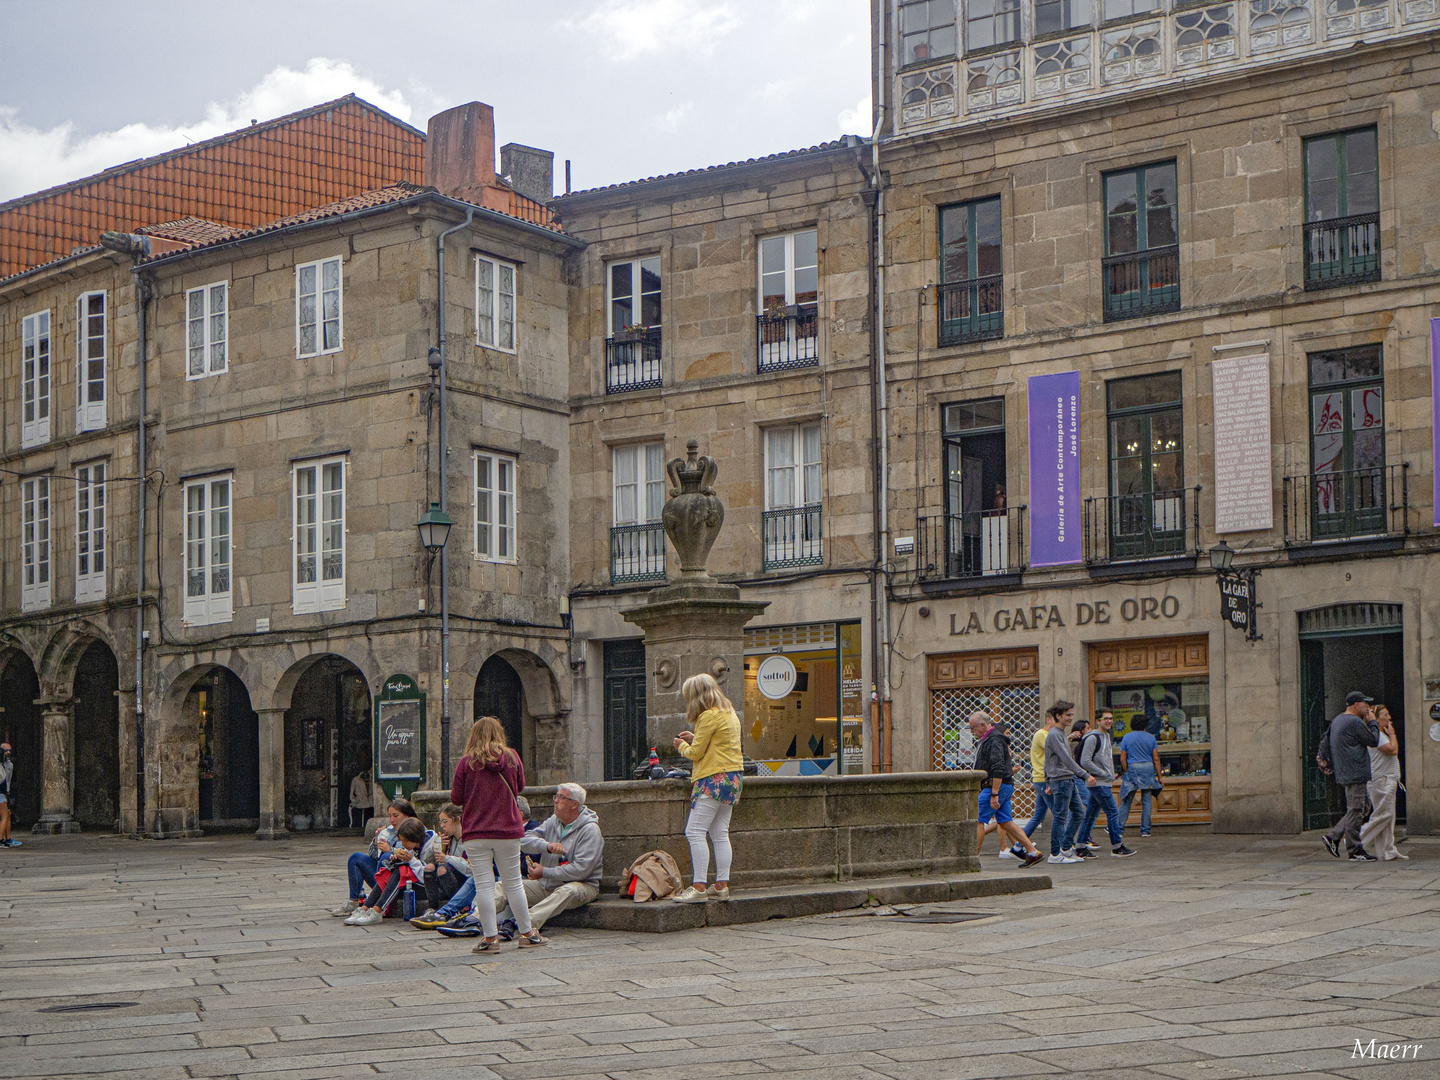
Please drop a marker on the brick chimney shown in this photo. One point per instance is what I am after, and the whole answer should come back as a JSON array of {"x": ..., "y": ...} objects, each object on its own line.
[
  {"x": 460, "y": 155},
  {"x": 529, "y": 170}
]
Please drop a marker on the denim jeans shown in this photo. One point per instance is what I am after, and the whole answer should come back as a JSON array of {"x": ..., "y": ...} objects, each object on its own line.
[
  {"x": 362, "y": 874},
  {"x": 1139, "y": 779},
  {"x": 1062, "y": 792},
  {"x": 1042, "y": 807},
  {"x": 463, "y": 898},
  {"x": 1100, "y": 797},
  {"x": 1077, "y": 813}
]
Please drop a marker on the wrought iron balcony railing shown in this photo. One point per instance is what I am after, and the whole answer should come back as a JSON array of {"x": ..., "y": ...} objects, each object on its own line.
[
  {"x": 1148, "y": 525},
  {"x": 632, "y": 361},
  {"x": 637, "y": 553},
  {"x": 970, "y": 310},
  {"x": 989, "y": 543},
  {"x": 791, "y": 340},
  {"x": 1346, "y": 505},
  {"x": 1142, "y": 283},
  {"x": 792, "y": 537},
  {"x": 1342, "y": 251}
]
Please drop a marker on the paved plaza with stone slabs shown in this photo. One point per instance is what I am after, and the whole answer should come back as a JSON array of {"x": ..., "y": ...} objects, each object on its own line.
[{"x": 1205, "y": 957}]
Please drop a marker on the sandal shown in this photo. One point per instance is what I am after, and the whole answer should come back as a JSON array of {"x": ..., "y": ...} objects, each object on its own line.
[
  {"x": 487, "y": 945},
  {"x": 534, "y": 937}
]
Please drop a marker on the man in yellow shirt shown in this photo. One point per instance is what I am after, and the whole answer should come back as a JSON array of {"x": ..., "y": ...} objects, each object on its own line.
[{"x": 1037, "y": 777}]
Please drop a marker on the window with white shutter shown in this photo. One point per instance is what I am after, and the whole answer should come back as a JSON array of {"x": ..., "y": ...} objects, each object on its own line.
[
  {"x": 319, "y": 306},
  {"x": 494, "y": 304},
  {"x": 208, "y": 587},
  {"x": 90, "y": 533},
  {"x": 35, "y": 379},
  {"x": 35, "y": 543},
  {"x": 319, "y": 539},
  {"x": 91, "y": 333},
  {"x": 494, "y": 507},
  {"x": 207, "y": 330}
]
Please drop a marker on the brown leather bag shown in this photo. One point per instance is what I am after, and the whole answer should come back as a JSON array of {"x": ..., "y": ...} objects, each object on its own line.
[{"x": 653, "y": 876}]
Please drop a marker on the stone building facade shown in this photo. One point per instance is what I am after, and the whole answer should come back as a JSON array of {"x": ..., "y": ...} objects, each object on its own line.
[
  {"x": 1244, "y": 356},
  {"x": 293, "y": 445},
  {"x": 729, "y": 305}
]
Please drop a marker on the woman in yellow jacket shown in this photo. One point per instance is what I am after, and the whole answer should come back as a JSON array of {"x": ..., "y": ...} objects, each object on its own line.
[{"x": 714, "y": 747}]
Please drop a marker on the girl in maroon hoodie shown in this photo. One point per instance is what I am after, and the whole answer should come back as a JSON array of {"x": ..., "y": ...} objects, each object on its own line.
[{"x": 488, "y": 781}]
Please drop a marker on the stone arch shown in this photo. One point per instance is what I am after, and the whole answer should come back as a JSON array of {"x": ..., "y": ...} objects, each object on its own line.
[
  {"x": 543, "y": 712},
  {"x": 213, "y": 767},
  {"x": 326, "y": 738},
  {"x": 284, "y": 687},
  {"x": 61, "y": 655},
  {"x": 22, "y": 725}
]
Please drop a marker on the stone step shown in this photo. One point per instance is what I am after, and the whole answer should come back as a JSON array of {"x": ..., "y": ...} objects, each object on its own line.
[{"x": 791, "y": 902}]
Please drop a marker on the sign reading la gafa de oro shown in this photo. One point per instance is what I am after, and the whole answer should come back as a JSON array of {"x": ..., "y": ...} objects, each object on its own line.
[{"x": 1054, "y": 616}]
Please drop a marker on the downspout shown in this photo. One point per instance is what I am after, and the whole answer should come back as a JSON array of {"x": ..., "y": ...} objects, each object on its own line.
[
  {"x": 882, "y": 450},
  {"x": 444, "y": 489}
]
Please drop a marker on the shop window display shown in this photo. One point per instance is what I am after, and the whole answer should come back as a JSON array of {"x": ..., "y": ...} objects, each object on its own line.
[
  {"x": 1178, "y": 715},
  {"x": 804, "y": 699}
]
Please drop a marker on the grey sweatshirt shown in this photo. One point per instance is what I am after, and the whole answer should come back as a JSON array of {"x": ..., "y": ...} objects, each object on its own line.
[
  {"x": 1059, "y": 764},
  {"x": 1350, "y": 738},
  {"x": 584, "y": 848},
  {"x": 1097, "y": 755}
]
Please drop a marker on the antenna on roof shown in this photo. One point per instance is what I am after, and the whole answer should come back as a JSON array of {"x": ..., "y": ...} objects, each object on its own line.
[
  {"x": 253, "y": 122},
  {"x": 567, "y": 176}
]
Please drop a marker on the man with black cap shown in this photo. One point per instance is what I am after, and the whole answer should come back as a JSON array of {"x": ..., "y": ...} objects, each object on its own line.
[{"x": 1345, "y": 752}]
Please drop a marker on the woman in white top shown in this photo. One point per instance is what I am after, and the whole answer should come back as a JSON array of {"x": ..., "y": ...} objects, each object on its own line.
[
  {"x": 1378, "y": 834},
  {"x": 362, "y": 801}
]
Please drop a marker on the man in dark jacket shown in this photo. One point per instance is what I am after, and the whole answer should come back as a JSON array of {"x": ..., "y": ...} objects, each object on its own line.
[
  {"x": 992, "y": 757},
  {"x": 1345, "y": 752}
]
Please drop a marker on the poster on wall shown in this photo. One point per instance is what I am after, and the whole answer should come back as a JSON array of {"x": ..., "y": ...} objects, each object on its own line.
[
  {"x": 1243, "y": 481},
  {"x": 1435, "y": 411},
  {"x": 400, "y": 730},
  {"x": 1055, "y": 469}
]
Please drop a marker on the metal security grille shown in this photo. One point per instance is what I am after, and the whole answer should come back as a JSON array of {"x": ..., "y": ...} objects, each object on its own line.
[
  {"x": 779, "y": 637},
  {"x": 1351, "y": 619},
  {"x": 952, "y": 746}
]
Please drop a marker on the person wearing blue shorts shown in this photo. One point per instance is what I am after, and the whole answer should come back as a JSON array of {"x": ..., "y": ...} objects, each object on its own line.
[{"x": 992, "y": 756}]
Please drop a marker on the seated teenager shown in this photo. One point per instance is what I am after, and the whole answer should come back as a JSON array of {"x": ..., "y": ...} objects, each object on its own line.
[
  {"x": 363, "y": 864},
  {"x": 414, "y": 846},
  {"x": 567, "y": 873},
  {"x": 447, "y": 873}
]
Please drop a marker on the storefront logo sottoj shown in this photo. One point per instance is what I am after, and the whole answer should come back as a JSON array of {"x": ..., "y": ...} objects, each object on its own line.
[
  {"x": 1049, "y": 616},
  {"x": 776, "y": 677}
]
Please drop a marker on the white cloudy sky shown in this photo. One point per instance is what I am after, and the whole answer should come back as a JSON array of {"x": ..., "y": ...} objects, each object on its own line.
[{"x": 625, "y": 88}]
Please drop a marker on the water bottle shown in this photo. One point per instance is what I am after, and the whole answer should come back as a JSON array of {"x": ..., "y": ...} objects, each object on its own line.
[
  {"x": 656, "y": 772},
  {"x": 408, "y": 905}
]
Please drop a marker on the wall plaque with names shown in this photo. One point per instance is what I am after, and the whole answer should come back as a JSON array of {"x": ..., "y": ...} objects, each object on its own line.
[{"x": 1244, "y": 500}]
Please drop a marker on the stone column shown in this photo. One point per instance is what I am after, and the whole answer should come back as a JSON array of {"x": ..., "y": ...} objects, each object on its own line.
[
  {"x": 272, "y": 775},
  {"x": 58, "y": 777},
  {"x": 126, "y": 700}
]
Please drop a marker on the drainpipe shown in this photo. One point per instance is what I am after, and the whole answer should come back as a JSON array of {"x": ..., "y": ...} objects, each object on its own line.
[
  {"x": 882, "y": 450},
  {"x": 138, "y": 247},
  {"x": 444, "y": 488}
]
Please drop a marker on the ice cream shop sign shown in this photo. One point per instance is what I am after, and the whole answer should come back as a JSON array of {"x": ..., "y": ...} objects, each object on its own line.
[{"x": 1132, "y": 609}]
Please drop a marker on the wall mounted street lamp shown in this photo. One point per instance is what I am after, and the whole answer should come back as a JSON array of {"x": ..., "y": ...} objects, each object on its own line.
[
  {"x": 1237, "y": 590},
  {"x": 434, "y": 527}
]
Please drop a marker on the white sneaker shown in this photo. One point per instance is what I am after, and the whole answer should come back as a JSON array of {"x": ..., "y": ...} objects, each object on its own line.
[
  {"x": 1069, "y": 853},
  {"x": 346, "y": 909},
  {"x": 1006, "y": 853},
  {"x": 1062, "y": 858},
  {"x": 366, "y": 917}
]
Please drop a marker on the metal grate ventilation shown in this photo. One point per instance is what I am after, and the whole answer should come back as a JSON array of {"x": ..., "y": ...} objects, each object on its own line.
[{"x": 1350, "y": 619}]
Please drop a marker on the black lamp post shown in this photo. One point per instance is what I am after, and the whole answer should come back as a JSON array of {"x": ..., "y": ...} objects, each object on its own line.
[
  {"x": 1237, "y": 590},
  {"x": 434, "y": 527}
]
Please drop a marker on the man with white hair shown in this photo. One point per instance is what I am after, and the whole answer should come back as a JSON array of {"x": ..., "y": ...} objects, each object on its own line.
[{"x": 567, "y": 875}]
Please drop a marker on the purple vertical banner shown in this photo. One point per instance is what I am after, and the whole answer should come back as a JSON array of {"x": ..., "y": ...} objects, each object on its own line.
[
  {"x": 1435, "y": 417},
  {"x": 1055, "y": 469}
]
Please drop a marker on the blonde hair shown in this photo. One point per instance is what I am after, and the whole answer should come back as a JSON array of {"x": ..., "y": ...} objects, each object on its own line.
[
  {"x": 702, "y": 693},
  {"x": 486, "y": 742}
]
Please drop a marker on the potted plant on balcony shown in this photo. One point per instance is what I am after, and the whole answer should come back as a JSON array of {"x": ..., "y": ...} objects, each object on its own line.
[
  {"x": 632, "y": 334},
  {"x": 775, "y": 310}
]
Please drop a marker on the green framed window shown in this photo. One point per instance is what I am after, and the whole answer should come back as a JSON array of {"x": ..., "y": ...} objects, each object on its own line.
[
  {"x": 1347, "y": 443},
  {"x": 971, "y": 297},
  {"x": 1342, "y": 209},
  {"x": 1142, "y": 242},
  {"x": 1147, "y": 466}
]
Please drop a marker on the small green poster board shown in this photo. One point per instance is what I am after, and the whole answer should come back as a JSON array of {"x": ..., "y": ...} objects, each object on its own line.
[{"x": 400, "y": 731}]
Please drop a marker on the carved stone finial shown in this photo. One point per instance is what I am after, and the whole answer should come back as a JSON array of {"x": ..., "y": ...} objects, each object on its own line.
[{"x": 693, "y": 514}]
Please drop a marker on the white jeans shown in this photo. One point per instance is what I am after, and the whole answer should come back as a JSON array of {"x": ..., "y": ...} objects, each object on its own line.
[
  {"x": 1378, "y": 834},
  {"x": 506, "y": 855},
  {"x": 709, "y": 817},
  {"x": 545, "y": 903}
]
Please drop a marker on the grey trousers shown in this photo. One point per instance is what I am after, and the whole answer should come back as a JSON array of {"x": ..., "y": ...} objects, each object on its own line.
[{"x": 1357, "y": 807}]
